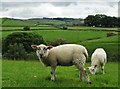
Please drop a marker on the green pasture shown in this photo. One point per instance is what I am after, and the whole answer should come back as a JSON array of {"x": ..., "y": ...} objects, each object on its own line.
[
  {"x": 69, "y": 35},
  {"x": 14, "y": 23},
  {"x": 42, "y": 27},
  {"x": 91, "y": 28},
  {"x": 34, "y": 74},
  {"x": 110, "y": 44},
  {"x": 90, "y": 39},
  {"x": 45, "y": 22},
  {"x": 9, "y": 22},
  {"x": 50, "y": 27},
  {"x": 112, "y": 39}
]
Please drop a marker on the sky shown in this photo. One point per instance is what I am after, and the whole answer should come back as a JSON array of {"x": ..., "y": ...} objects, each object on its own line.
[{"x": 24, "y": 9}]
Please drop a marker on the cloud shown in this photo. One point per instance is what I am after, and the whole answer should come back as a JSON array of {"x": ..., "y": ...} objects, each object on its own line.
[
  {"x": 58, "y": 9},
  {"x": 59, "y": 0}
]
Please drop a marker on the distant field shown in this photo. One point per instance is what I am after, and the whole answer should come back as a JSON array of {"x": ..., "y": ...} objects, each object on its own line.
[
  {"x": 91, "y": 28},
  {"x": 112, "y": 39},
  {"x": 42, "y": 27},
  {"x": 70, "y": 36},
  {"x": 9, "y": 22},
  {"x": 50, "y": 27},
  {"x": 34, "y": 74},
  {"x": 14, "y": 23}
]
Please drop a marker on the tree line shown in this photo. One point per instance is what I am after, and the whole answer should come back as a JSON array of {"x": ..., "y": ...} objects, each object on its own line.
[{"x": 100, "y": 20}]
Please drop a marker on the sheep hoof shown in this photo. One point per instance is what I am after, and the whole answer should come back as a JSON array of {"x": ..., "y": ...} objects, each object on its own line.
[
  {"x": 52, "y": 79},
  {"x": 90, "y": 82}
]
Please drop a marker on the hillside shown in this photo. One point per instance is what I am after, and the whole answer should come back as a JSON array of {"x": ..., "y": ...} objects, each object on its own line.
[{"x": 11, "y": 22}]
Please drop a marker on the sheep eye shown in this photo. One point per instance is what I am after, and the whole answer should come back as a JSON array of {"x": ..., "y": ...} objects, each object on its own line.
[{"x": 44, "y": 48}]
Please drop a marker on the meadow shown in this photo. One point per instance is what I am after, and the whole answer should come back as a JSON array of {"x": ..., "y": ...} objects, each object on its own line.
[
  {"x": 69, "y": 35},
  {"x": 34, "y": 74},
  {"x": 90, "y": 39}
]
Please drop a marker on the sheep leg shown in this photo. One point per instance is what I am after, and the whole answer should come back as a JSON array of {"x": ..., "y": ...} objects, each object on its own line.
[
  {"x": 83, "y": 73},
  {"x": 103, "y": 69},
  {"x": 86, "y": 76},
  {"x": 53, "y": 76}
]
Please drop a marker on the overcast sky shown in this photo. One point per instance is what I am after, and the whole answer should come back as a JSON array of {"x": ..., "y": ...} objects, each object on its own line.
[{"x": 57, "y": 8}]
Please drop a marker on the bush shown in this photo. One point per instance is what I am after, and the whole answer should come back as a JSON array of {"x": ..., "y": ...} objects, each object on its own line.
[
  {"x": 26, "y": 28},
  {"x": 32, "y": 56},
  {"x": 58, "y": 41},
  {"x": 110, "y": 34},
  {"x": 24, "y": 38},
  {"x": 15, "y": 51},
  {"x": 65, "y": 28}
]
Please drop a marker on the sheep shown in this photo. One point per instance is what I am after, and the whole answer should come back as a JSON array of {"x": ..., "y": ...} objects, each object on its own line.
[
  {"x": 98, "y": 58},
  {"x": 63, "y": 55}
]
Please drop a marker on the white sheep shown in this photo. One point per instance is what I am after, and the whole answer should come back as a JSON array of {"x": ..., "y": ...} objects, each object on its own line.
[
  {"x": 99, "y": 58},
  {"x": 63, "y": 55}
]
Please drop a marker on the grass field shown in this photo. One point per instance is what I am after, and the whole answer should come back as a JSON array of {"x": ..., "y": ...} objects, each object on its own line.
[
  {"x": 91, "y": 28},
  {"x": 34, "y": 74},
  {"x": 42, "y": 27},
  {"x": 90, "y": 39},
  {"x": 10, "y": 22},
  {"x": 70, "y": 36}
]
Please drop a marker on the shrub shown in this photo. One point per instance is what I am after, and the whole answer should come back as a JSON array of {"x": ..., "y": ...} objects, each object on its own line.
[
  {"x": 26, "y": 28},
  {"x": 32, "y": 56},
  {"x": 65, "y": 28},
  {"x": 15, "y": 51},
  {"x": 24, "y": 38},
  {"x": 58, "y": 41},
  {"x": 110, "y": 34}
]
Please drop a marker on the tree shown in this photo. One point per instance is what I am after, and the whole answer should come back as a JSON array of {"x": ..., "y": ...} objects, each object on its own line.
[
  {"x": 118, "y": 24},
  {"x": 100, "y": 20},
  {"x": 107, "y": 22},
  {"x": 65, "y": 28},
  {"x": 89, "y": 21},
  {"x": 26, "y": 28},
  {"x": 24, "y": 38},
  {"x": 16, "y": 51},
  {"x": 97, "y": 19}
]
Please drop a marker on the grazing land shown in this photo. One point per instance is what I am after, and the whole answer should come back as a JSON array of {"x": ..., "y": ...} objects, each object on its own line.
[
  {"x": 70, "y": 36},
  {"x": 34, "y": 74}
]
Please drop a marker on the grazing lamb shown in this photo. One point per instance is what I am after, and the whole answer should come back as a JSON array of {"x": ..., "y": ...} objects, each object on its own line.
[
  {"x": 99, "y": 58},
  {"x": 63, "y": 55}
]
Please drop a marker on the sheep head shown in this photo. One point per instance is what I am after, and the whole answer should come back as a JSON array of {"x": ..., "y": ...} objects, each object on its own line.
[
  {"x": 93, "y": 69},
  {"x": 41, "y": 50}
]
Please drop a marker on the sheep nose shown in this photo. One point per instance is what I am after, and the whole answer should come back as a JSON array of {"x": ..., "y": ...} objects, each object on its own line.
[{"x": 41, "y": 55}]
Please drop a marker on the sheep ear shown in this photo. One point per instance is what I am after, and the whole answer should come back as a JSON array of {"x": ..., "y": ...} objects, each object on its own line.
[
  {"x": 34, "y": 46},
  {"x": 49, "y": 47}
]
